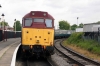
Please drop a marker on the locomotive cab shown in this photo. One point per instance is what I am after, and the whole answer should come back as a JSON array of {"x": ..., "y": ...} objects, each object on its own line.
[{"x": 38, "y": 33}]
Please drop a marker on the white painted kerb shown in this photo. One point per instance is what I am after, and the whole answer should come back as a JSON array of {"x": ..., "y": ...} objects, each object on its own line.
[{"x": 14, "y": 56}]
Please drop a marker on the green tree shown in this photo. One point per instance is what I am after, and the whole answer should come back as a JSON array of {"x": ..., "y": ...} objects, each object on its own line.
[
  {"x": 80, "y": 25},
  {"x": 73, "y": 27},
  {"x": 98, "y": 22},
  {"x": 64, "y": 25},
  {"x": 5, "y": 23},
  {"x": 18, "y": 25}
]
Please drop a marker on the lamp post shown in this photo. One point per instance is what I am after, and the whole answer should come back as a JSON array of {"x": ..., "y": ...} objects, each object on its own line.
[
  {"x": 15, "y": 27},
  {"x": 0, "y": 23},
  {"x": 77, "y": 21},
  {"x": 5, "y": 30},
  {"x": 0, "y": 18},
  {"x": 0, "y": 6},
  {"x": 3, "y": 26}
]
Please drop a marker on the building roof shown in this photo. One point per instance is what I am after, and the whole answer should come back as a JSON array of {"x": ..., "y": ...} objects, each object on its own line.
[{"x": 91, "y": 23}]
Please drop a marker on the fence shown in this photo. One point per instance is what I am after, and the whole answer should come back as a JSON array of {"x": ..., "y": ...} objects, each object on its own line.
[
  {"x": 9, "y": 34},
  {"x": 0, "y": 35},
  {"x": 92, "y": 35}
]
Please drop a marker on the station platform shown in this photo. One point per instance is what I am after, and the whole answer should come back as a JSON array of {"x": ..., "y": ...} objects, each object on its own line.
[{"x": 7, "y": 49}]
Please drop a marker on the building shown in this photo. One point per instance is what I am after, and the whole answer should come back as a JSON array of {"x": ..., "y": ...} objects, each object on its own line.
[
  {"x": 79, "y": 30},
  {"x": 91, "y": 31},
  {"x": 7, "y": 28},
  {"x": 91, "y": 27}
]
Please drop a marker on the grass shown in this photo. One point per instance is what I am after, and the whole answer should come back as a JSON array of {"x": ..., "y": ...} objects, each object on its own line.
[{"x": 89, "y": 48}]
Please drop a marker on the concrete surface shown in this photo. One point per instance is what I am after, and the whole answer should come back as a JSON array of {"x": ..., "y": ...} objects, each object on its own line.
[{"x": 7, "y": 50}]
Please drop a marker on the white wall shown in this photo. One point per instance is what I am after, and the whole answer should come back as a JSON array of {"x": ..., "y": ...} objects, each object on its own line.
[
  {"x": 79, "y": 29},
  {"x": 90, "y": 27},
  {"x": 87, "y": 28}
]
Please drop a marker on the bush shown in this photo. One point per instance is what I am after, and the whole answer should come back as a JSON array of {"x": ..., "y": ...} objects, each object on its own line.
[
  {"x": 75, "y": 38},
  {"x": 89, "y": 45}
]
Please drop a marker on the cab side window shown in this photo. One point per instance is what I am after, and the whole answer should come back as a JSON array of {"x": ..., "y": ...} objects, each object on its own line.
[
  {"x": 48, "y": 22},
  {"x": 28, "y": 21}
]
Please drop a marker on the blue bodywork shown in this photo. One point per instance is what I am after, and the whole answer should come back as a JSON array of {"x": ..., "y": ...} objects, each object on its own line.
[{"x": 58, "y": 36}]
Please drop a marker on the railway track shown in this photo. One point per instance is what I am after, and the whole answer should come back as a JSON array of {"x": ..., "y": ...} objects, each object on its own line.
[
  {"x": 38, "y": 62},
  {"x": 34, "y": 62},
  {"x": 77, "y": 58}
]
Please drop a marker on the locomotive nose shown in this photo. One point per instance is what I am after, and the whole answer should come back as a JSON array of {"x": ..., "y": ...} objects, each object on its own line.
[{"x": 37, "y": 41}]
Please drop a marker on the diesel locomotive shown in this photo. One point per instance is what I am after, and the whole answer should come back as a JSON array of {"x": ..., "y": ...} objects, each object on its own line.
[{"x": 37, "y": 33}]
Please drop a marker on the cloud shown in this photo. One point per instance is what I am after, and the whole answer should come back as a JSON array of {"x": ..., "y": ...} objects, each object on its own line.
[{"x": 87, "y": 10}]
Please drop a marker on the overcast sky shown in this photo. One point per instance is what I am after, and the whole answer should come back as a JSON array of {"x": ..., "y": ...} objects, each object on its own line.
[{"x": 88, "y": 11}]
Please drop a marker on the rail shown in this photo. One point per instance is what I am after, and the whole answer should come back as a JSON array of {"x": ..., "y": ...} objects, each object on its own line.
[{"x": 74, "y": 56}]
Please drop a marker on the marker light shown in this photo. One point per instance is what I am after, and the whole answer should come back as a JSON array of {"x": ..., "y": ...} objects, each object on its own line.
[
  {"x": 37, "y": 41},
  {"x": 44, "y": 14},
  {"x": 33, "y": 13}
]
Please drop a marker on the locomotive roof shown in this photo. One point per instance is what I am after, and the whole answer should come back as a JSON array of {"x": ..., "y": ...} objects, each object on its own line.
[{"x": 38, "y": 14}]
